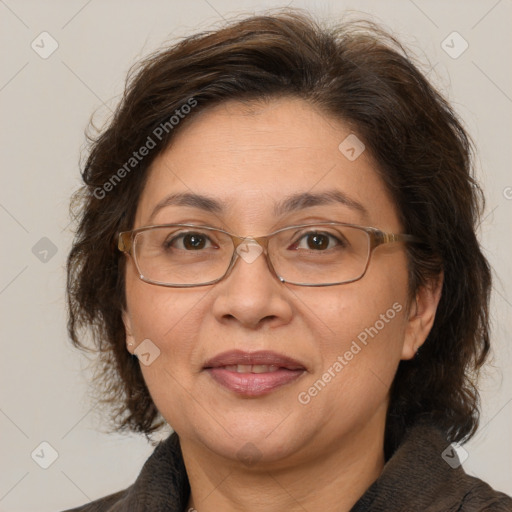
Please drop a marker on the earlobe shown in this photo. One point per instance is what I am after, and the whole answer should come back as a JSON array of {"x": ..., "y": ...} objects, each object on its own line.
[
  {"x": 421, "y": 316},
  {"x": 130, "y": 340}
]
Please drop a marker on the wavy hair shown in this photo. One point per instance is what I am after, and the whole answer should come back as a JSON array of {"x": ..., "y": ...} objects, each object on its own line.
[{"x": 359, "y": 74}]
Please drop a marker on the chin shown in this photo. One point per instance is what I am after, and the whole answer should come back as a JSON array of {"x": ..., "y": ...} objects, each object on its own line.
[{"x": 253, "y": 439}]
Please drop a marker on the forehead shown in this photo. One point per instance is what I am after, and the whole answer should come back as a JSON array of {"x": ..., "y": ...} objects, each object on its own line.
[{"x": 250, "y": 157}]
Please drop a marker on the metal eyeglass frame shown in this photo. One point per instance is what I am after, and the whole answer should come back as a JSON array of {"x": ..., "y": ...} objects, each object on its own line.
[{"x": 376, "y": 238}]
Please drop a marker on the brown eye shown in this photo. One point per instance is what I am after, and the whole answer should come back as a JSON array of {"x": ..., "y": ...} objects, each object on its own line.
[
  {"x": 188, "y": 242},
  {"x": 317, "y": 241},
  {"x": 194, "y": 242}
]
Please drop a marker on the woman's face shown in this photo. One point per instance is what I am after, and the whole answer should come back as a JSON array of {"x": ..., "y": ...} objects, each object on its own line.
[{"x": 347, "y": 340}]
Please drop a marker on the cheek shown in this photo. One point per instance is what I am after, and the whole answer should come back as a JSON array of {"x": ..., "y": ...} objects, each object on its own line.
[
  {"x": 171, "y": 319},
  {"x": 157, "y": 311},
  {"x": 358, "y": 364},
  {"x": 364, "y": 327},
  {"x": 360, "y": 328},
  {"x": 372, "y": 307}
]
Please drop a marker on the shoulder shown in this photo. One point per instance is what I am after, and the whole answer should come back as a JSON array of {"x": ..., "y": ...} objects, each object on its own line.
[
  {"x": 425, "y": 473},
  {"x": 481, "y": 497},
  {"x": 451, "y": 487}
]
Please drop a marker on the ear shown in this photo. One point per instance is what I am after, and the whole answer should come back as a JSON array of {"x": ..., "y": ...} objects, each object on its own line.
[
  {"x": 130, "y": 340},
  {"x": 422, "y": 313}
]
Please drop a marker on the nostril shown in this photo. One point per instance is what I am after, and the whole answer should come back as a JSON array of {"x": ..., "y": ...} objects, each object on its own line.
[{"x": 250, "y": 323}]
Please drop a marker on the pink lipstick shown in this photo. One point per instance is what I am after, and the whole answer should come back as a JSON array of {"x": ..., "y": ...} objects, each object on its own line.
[{"x": 253, "y": 374}]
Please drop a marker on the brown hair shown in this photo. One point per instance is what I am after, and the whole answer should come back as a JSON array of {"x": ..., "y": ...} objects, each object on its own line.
[{"x": 362, "y": 76}]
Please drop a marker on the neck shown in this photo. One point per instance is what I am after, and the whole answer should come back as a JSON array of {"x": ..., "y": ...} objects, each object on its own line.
[{"x": 333, "y": 479}]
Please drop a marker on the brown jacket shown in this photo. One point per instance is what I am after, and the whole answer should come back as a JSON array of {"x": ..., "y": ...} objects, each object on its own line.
[{"x": 416, "y": 478}]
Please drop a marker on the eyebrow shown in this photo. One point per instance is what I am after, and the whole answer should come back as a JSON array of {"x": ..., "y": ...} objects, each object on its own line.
[
  {"x": 308, "y": 199},
  {"x": 188, "y": 199},
  {"x": 290, "y": 204}
]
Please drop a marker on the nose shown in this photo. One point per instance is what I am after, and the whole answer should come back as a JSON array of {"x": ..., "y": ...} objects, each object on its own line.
[{"x": 251, "y": 294}]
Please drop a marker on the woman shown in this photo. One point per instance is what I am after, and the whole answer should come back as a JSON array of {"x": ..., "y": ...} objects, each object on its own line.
[{"x": 277, "y": 257}]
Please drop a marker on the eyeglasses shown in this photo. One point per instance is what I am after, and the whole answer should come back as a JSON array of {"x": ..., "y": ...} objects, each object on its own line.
[{"x": 187, "y": 255}]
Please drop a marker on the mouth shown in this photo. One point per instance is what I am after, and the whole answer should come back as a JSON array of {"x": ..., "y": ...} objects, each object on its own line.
[
  {"x": 253, "y": 374},
  {"x": 252, "y": 368}
]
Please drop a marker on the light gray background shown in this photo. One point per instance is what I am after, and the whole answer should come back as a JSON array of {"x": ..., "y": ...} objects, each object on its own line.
[{"x": 45, "y": 106}]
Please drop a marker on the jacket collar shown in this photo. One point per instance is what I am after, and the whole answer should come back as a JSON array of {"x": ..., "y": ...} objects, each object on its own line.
[
  {"x": 424, "y": 473},
  {"x": 418, "y": 476},
  {"x": 162, "y": 485}
]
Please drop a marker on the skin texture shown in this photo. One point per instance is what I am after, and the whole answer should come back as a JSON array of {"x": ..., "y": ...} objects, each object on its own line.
[{"x": 321, "y": 455}]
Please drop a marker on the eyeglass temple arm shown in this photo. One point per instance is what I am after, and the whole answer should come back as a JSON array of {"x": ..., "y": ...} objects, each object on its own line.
[
  {"x": 124, "y": 242},
  {"x": 385, "y": 238}
]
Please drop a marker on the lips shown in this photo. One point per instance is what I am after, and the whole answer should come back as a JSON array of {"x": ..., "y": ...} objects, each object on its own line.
[
  {"x": 253, "y": 374},
  {"x": 252, "y": 368},
  {"x": 262, "y": 357}
]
